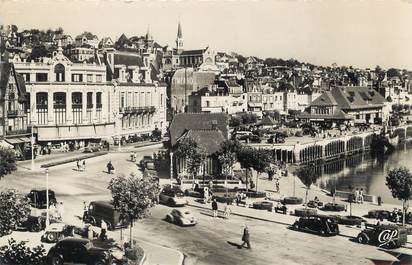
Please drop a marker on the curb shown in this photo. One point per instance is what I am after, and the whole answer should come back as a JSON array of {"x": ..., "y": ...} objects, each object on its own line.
[
  {"x": 73, "y": 159},
  {"x": 181, "y": 255}
]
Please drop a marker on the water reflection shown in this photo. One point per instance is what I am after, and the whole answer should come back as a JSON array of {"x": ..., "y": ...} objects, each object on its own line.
[{"x": 364, "y": 171}]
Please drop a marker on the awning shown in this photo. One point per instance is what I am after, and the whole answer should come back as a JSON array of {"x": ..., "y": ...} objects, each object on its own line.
[
  {"x": 4, "y": 144},
  {"x": 18, "y": 140}
]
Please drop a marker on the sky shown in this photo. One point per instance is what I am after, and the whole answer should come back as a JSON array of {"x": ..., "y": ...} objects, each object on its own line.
[{"x": 361, "y": 33}]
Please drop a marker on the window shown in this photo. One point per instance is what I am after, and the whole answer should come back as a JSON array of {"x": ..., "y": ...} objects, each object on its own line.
[
  {"x": 89, "y": 100},
  {"x": 41, "y": 77},
  {"x": 26, "y": 77},
  {"x": 161, "y": 100},
  {"x": 122, "y": 100},
  {"x": 207, "y": 103},
  {"x": 89, "y": 78},
  {"x": 77, "y": 78},
  {"x": 98, "y": 100},
  {"x": 99, "y": 78},
  {"x": 59, "y": 72}
]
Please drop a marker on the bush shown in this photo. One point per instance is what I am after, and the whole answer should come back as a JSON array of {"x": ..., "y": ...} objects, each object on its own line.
[
  {"x": 256, "y": 194},
  {"x": 334, "y": 207},
  {"x": 16, "y": 253},
  {"x": 14, "y": 209},
  {"x": 135, "y": 255},
  {"x": 224, "y": 199},
  {"x": 292, "y": 200},
  {"x": 7, "y": 161}
]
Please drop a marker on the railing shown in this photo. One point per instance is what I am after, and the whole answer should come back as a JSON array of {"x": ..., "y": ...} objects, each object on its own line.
[
  {"x": 59, "y": 106},
  {"x": 99, "y": 105},
  {"x": 77, "y": 105},
  {"x": 12, "y": 113},
  {"x": 137, "y": 110},
  {"x": 89, "y": 106},
  {"x": 17, "y": 132},
  {"x": 41, "y": 106}
]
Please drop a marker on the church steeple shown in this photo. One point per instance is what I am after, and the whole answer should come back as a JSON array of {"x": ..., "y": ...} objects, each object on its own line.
[{"x": 179, "y": 39}]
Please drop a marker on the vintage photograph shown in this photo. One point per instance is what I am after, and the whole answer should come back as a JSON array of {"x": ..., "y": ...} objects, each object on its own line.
[{"x": 192, "y": 132}]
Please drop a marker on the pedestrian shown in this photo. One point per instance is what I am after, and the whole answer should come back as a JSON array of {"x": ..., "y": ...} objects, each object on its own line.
[
  {"x": 84, "y": 165},
  {"x": 277, "y": 186},
  {"x": 237, "y": 198},
  {"x": 246, "y": 238},
  {"x": 103, "y": 230},
  {"x": 214, "y": 208},
  {"x": 126, "y": 243},
  {"x": 53, "y": 211},
  {"x": 361, "y": 196},
  {"x": 85, "y": 212},
  {"x": 356, "y": 195},
  {"x": 60, "y": 210},
  {"x": 78, "y": 165},
  {"x": 228, "y": 210},
  {"x": 109, "y": 167},
  {"x": 90, "y": 234}
]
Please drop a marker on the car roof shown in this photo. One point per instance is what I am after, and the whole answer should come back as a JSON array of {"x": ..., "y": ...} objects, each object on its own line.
[
  {"x": 75, "y": 239},
  {"x": 103, "y": 203}
]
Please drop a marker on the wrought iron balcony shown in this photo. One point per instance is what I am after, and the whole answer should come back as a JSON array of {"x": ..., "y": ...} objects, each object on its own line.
[{"x": 12, "y": 113}]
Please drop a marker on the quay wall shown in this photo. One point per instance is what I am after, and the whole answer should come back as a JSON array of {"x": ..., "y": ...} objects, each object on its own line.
[{"x": 330, "y": 148}]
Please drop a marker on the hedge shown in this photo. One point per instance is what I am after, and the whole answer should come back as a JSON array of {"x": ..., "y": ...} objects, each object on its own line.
[
  {"x": 334, "y": 207},
  {"x": 135, "y": 255},
  {"x": 305, "y": 212}
]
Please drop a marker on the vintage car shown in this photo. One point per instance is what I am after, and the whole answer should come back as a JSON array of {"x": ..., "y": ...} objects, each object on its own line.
[
  {"x": 72, "y": 250},
  {"x": 319, "y": 224},
  {"x": 56, "y": 231},
  {"x": 387, "y": 236},
  {"x": 172, "y": 196},
  {"x": 182, "y": 217},
  {"x": 104, "y": 210},
  {"x": 33, "y": 224},
  {"x": 37, "y": 198}
]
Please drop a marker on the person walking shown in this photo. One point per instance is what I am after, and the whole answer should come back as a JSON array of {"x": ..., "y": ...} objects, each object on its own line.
[
  {"x": 277, "y": 186},
  {"x": 361, "y": 196},
  {"x": 214, "y": 208},
  {"x": 109, "y": 167},
  {"x": 103, "y": 230},
  {"x": 246, "y": 238},
  {"x": 60, "y": 210},
  {"x": 84, "y": 165},
  {"x": 78, "y": 165}
]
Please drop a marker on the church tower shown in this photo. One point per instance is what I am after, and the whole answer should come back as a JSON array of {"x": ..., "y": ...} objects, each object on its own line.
[{"x": 179, "y": 39}]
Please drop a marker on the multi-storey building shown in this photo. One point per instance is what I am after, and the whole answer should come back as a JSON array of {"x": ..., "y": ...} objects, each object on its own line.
[
  {"x": 80, "y": 102},
  {"x": 13, "y": 107}
]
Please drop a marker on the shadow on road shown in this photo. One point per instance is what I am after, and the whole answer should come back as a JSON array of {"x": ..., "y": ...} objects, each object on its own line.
[{"x": 239, "y": 246}]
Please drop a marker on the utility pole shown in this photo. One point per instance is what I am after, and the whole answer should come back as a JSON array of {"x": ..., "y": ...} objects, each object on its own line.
[{"x": 47, "y": 198}]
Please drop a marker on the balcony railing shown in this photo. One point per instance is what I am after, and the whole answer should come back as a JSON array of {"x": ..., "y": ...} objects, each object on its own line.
[
  {"x": 137, "y": 110},
  {"x": 99, "y": 105},
  {"x": 41, "y": 106},
  {"x": 89, "y": 106},
  {"x": 77, "y": 105},
  {"x": 59, "y": 106},
  {"x": 17, "y": 132},
  {"x": 12, "y": 113}
]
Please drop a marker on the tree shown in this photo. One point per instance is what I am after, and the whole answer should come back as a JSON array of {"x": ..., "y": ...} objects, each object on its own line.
[
  {"x": 258, "y": 159},
  {"x": 392, "y": 72},
  {"x": 38, "y": 51},
  {"x": 7, "y": 161},
  {"x": 399, "y": 181},
  {"x": 227, "y": 156},
  {"x": 192, "y": 153},
  {"x": 133, "y": 197},
  {"x": 14, "y": 208},
  {"x": 243, "y": 157},
  {"x": 307, "y": 175}
]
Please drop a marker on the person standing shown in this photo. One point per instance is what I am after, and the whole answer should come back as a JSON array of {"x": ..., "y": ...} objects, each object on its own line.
[
  {"x": 214, "y": 208},
  {"x": 60, "y": 210},
  {"x": 361, "y": 196},
  {"x": 85, "y": 212},
  {"x": 84, "y": 165},
  {"x": 109, "y": 167},
  {"x": 90, "y": 234},
  {"x": 356, "y": 195},
  {"x": 103, "y": 230},
  {"x": 78, "y": 165},
  {"x": 277, "y": 186},
  {"x": 228, "y": 210},
  {"x": 246, "y": 238}
]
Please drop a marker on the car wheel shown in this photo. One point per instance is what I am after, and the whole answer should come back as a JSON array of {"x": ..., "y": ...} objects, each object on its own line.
[
  {"x": 100, "y": 262},
  {"x": 171, "y": 203},
  {"x": 92, "y": 221},
  {"x": 109, "y": 226},
  {"x": 56, "y": 260},
  {"x": 295, "y": 226},
  {"x": 51, "y": 237},
  {"x": 169, "y": 218},
  {"x": 34, "y": 228},
  {"x": 362, "y": 239}
]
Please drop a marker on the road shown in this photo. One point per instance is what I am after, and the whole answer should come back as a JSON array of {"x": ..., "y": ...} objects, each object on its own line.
[{"x": 212, "y": 241}]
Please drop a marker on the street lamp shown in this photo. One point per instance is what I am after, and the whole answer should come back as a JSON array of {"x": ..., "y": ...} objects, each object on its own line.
[
  {"x": 32, "y": 147},
  {"x": 47, "y": 198}
]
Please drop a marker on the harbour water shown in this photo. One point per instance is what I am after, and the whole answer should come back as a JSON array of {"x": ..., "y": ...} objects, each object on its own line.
[{"x": 364, "y": 171}]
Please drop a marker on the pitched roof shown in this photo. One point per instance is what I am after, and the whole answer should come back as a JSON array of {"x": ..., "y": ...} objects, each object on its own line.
[
  {"x": 128, "y": 59},
  {"x": 209, "y": 140},
  {"x": 357, "y": 97},
  {"x": 338, "y": 114},
  {"x": 326, "y": 99},
  {"x": 193, "y": 52},
  {"x": 184, "y": 122}
]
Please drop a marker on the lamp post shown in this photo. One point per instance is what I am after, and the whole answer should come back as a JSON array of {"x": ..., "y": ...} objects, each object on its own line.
[
  {"x": 47, "y": 198},
  {"x": 171, "y": 168},
  {"x": 32, "y": 147}
]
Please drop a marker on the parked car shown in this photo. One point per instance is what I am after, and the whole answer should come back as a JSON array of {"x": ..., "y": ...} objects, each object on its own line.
[
  {"x": 92, "y": 147},
  {"x": 379, "y": 214},
  {"x": 38, "y": 200},
  {"x": 388, "y": 236},
  {"x": 33, "y": 224},
  {"x": 320, "y": 224},
  {"x": 55, "y": 232},
  {"x": 182, "y": 217},
  {"x": 172, "y": 196},
  {"x": 263, "y": 205},
  {"x": 145, "y": 160},
  {"x": 82, "y": 251},
  {"x": 104, "y": 210}
]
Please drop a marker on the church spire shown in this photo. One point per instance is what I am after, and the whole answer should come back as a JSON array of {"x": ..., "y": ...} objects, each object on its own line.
[{"x": 179, "y": 39}]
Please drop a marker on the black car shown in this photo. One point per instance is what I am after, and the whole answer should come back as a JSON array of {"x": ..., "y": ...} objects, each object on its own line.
[
  {"x": 38, "y": 200},
  {"x": 104, "y": 210},
  {"x": 387, "y": 236},
  {"x": 81, "y": 251},
  {"x": 33, "y": 224},
  {"x": 319, "y": 224}
]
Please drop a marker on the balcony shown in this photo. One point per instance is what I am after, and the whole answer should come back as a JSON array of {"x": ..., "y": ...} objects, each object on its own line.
[
  {"x": 137, "y": 110},
  {"x": 99, "y": 105},
  {"x": 18, "y": 132},
  {"x": 77, "y": 106},
  {"x": 15, "y": 113},
  {"x": 59, "y": 106},
  {"x": 89, "y": 106}
]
